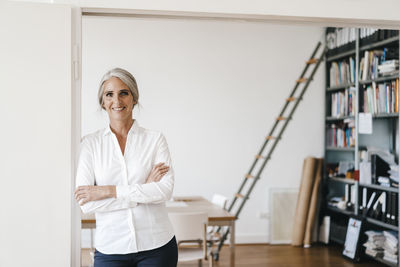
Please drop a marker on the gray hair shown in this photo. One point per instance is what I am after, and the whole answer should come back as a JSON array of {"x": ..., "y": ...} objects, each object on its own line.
[{"x": 125, "y": 77}]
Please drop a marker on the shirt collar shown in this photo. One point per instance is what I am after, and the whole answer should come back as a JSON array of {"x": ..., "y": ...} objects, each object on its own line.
[{"x": 132, "y": 130}]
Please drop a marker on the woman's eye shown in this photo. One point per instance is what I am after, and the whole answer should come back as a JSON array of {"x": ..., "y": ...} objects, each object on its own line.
[
  {"x": 124, "y": 93},
  {"x": 109, "y": 94}
]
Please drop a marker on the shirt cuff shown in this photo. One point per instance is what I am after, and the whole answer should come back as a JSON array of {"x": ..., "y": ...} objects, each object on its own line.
[{"x": 122, "y": 191}]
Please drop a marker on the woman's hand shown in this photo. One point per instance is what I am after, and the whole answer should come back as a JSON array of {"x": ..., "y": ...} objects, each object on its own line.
[
  {"x": 157, "y": 173},
  {"x": 87, "y": 193}
]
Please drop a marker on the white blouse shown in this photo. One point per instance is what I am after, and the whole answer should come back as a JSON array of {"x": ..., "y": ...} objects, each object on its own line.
[{"x": 136, "y": 220}]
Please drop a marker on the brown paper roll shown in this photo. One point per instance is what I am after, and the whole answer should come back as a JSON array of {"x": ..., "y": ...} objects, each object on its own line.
[
  {"x": 303, "y": 201},
  {"x": 313, "y": 204}
]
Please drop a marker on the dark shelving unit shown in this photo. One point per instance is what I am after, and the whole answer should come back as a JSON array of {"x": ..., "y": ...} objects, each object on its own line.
[
  {"x": 334, "y": 186},
  {"x": 381, "y": 79},
  {"x": 379, "y": 187},
  {"x": 339, "y": 87},
  {"x": 344, "y": 149},
  {"x": 342, "y": 180},
  {"x": 339, "y": 118},
  {"x": 341, "y": 55}
]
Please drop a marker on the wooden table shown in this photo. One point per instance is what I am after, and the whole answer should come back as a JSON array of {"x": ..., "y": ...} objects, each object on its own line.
[{"x": 217, "y": 216}]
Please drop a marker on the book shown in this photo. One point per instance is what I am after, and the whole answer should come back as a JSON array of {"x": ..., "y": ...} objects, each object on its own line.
[
  {"x": 374, "y": 102},
  {"x": 365, "y": 67}
]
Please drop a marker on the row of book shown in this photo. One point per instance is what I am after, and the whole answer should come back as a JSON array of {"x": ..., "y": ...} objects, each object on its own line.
[
  {"x": 374, "y": 64},
  {"x": 338, "y": 37},
  {"x": 381, "y": 97},
  {"x": 380, "y": 206},
  {"x": 369, "y": 64},
  {"x": 375, "y": 35},
  {"x": 340, "y": 135},
  {"x": 343, "y": 103},
  {"x": 378, "y": 63},
  {"x": 365, "y": 32},
  {"x": 342, "y": 72},
  {"x": 382, "y": 244}
]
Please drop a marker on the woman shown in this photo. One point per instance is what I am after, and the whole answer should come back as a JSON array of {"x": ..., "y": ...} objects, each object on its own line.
[{"x": 124, "y": 176}]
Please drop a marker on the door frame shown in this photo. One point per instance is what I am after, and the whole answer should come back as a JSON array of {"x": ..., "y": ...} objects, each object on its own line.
[
  {"x": 76, "y": 46},
  {"x": 76, "y": 83}
]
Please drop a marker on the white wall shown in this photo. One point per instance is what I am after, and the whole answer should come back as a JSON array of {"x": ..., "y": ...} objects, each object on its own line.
[
  {"x": 35, "y": 136},
  {"x": 213, "y": 88}
]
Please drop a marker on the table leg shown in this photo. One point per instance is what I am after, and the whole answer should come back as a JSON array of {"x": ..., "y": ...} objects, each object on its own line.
[{"x": 232, "y": 242}]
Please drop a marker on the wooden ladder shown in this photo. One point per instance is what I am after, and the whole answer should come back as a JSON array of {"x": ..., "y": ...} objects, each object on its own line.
[{"x": 280, "y": 124}]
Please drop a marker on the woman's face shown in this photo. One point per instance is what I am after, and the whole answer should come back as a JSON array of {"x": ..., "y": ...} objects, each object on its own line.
[{"x": 117, "y": 100}]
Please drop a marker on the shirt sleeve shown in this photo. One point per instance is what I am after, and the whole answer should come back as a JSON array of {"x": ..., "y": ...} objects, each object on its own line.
[
  {"x": 156, "y": 192},
  {"x": 85, "y": 176}
]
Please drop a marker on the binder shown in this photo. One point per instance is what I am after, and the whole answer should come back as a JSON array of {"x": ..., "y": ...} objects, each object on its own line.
[
  {"x": 378, "y": 207},
  {"x": 389, "y": 209},
  {"x": 374, "y": 211},
  {"x": 394, "y": 209},
  {"x": 379, "y": 167},
  {"x": 383, "y": 217},
  {"x": 370, "y": 202},
  {"x": 364, "y": 200}
]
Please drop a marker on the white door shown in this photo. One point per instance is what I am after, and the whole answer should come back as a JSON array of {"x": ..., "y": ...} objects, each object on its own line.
[{"x": 35, "y": 134}]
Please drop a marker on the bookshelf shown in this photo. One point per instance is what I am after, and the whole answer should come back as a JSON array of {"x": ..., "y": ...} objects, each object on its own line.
[{"x": 361, "y": 77}]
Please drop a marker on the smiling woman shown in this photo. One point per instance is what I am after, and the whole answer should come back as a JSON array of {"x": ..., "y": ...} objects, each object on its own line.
[
  {"x": 124, "y": 175},
  {"x": 118, "y": 79}
]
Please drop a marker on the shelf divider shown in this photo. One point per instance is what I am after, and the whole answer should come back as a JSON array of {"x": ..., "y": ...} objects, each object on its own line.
[
  {"x": 379, "y": 187},
  {"x": 382, "y": 224}
]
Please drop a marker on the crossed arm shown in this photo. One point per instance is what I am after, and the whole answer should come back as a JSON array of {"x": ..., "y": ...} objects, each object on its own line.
[{"x": 87, "y": 193}]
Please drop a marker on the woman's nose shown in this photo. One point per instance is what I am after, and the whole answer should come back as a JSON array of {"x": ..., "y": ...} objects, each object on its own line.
[{"x": 115, "y": 99}]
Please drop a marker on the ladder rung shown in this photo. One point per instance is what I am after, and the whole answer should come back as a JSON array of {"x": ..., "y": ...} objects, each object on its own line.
[
  {"x": 249, "y": 176},
  {"x": 260, "y": 157},
  {"x": 290, "y": 99},
  {"x": 301, "y": 80},
  {"x": 312, "y": 61},
  {"x": 281, "y": 118},
  {"x": 270, "y": 137},
  {"x": 217, "y": 235},
  {"x": 239, "y": 196}
]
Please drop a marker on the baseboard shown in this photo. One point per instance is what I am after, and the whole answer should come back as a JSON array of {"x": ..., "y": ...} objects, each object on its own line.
[{"x": 250, "y": 239}]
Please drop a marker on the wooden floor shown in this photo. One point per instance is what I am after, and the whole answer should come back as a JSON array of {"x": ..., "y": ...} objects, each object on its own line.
[{"x": 276, "y": 256}]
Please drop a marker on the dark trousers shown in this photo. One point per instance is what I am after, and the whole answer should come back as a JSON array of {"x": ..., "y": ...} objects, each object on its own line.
[{"x": 165, "y": 256}]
